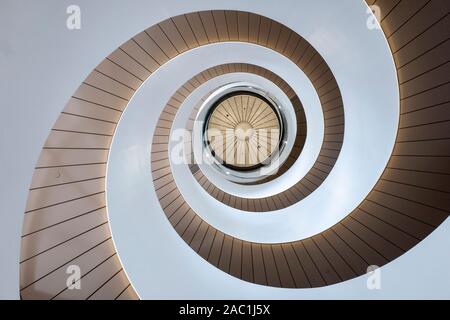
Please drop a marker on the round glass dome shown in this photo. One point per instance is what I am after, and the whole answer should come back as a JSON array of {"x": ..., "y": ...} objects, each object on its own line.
[{"x": 243, "y": 130}]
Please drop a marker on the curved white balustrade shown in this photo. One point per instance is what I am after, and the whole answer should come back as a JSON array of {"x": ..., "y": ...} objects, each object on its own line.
[
  {"x": 363, "y": 157},
  {"x": 296, "y": 172},
  {"x": 369, "y": 110}
]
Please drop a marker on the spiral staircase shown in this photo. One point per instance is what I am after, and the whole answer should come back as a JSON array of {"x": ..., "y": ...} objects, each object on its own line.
[{"x": 288, "y": 219}]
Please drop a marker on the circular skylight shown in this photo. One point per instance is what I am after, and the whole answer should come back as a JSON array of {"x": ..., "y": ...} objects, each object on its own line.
[{"x": 243, "y": 130}]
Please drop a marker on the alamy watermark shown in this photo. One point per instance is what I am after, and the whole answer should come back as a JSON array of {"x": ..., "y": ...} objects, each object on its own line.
[
  {"x": 73, "y": 281},
  {"x": 374, "y": 277},
  {"x": 73, "y": 21},
  {"x": 373, "y": 21}
]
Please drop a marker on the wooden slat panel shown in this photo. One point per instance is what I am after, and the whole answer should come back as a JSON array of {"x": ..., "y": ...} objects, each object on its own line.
[
  {"x": 41, "y": 198},
  {"x": 88, "y": 109},
  {"x": 93, "y": 281},
  {"x": 61, "y": 254},
  {"x": 314, "y": 277},
  {"x": 326, "y": 270},
  {"x": 55, "y": 282},
  {"x": 94, "y": 95},
  {"x": 259, "y": 270},
  {"x": 109, "y": 84},
  {"x": 111, "y": 289},
  {"x": 41, "y": 241}
]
